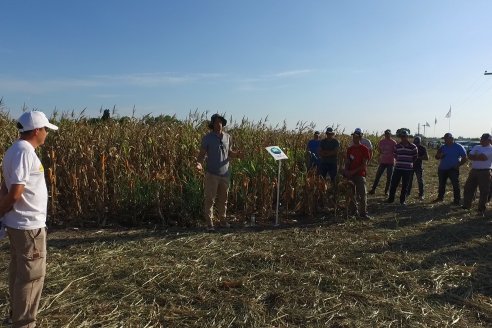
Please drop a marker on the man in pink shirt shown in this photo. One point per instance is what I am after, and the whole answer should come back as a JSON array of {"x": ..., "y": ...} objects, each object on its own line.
[{"x": 386, "y": 161}]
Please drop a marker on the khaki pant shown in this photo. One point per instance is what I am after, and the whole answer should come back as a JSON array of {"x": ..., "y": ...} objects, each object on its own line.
[
  {"x": 26, "y": 274},
  {"x": 360, "y": 196},
  {"x": 215, "y": 187},
  {"x": 480, "y": 178}
]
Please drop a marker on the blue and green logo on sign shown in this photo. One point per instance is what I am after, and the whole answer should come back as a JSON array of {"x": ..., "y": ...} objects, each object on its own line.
[{"x": 276, "y": 150}]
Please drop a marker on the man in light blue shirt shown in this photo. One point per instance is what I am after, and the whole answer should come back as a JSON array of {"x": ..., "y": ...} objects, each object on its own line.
[{"x": 452, "y": 155}]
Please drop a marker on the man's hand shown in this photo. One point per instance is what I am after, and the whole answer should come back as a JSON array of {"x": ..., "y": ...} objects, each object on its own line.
[{"x": 199, "y": 167}]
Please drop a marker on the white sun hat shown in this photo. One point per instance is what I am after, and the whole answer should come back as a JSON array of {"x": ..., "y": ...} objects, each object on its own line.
[{"x": 34, "y": 120}]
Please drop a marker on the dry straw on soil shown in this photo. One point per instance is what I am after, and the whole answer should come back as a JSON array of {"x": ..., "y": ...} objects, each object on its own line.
[{"x": 409, "y": 267}]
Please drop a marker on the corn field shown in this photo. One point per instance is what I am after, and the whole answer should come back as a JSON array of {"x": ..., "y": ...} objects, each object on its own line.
[{"x": 133, "y": 171}]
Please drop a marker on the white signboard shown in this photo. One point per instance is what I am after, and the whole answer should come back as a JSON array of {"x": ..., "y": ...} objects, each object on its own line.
[{"x": 276, "y": 152}]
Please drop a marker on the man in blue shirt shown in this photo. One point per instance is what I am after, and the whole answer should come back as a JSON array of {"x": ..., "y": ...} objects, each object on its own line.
[
  {"x": 312, "y": 151},
  {"x": 452, "y": 155}
]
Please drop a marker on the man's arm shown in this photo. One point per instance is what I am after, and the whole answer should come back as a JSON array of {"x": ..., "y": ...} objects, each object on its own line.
[
  {"x": 477, "y": 157},
  {"x": 361, "y": 167},
  {"x": 326, "y": 152},
  {"x": 464, "y": 158},
  {"x": 8, "y": 200},
  {"x": 439, "y": 153},
  {"x": 425, "y": 155},
  {"x": 3, "y": 190},
  {"x": 200, "y": 158}
]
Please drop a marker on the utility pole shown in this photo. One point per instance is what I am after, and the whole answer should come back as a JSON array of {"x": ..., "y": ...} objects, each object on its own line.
[{"x": 488, "y": 74}]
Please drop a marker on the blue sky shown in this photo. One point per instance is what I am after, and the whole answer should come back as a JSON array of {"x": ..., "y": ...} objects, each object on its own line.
[{"x": 368, "y": 64}]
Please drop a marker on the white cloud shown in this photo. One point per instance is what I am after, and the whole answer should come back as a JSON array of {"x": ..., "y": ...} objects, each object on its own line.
[
  {"x": 293, "y": 73},
  {"x": 258, "y": 83},
  {"x": 40, "y": 86}
]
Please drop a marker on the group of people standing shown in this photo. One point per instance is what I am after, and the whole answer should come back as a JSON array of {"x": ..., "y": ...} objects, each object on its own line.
[
  {"x": 403, "y": 161},
  {"x": 24, "y": 196}
]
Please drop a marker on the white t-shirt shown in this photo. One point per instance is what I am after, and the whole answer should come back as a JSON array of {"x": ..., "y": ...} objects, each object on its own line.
[
  {"x": 22, "y": 166},
  {"x": 487, "y": 151}
]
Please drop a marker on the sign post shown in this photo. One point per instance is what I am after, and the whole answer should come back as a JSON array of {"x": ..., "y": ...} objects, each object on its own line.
[{"x": 278, "y": 155}]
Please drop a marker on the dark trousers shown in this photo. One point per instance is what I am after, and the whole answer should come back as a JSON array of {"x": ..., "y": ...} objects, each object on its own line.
[
  {"x": 379, "y": 173},
  {"x": 490, "y": 192},
  {"x": 404, "y": 176},
  {"x": 330, "y": 169},
  {"x": 420, "y": 181},
  {"x": 453, "y": 175}
]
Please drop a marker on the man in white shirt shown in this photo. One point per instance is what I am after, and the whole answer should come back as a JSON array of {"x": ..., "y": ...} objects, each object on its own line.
[
  {"x": 23, "y": 207},
  {"x": 480, "y": 174}
]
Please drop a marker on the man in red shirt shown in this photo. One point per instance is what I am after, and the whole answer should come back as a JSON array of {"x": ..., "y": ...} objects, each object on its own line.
[{"x": 355, "y": 170}]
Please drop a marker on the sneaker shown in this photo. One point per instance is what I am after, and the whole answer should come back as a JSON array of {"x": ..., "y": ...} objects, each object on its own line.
[
  {"x": 420, "y": 198},
  {"x": 437, "y": 200},
  {"x": 386, "y": 193},
  {"x": 481, "y": 214},
  {"x": 403, "y": 203}
]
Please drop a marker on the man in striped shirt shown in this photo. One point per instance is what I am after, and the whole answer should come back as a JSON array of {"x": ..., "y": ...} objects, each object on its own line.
[{"x": 405, "y": 155}]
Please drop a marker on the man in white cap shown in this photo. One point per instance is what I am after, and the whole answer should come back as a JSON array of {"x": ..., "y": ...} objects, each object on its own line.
[
  {"x": 480, "y": 174},
  {"x": 23, "y": 208}
]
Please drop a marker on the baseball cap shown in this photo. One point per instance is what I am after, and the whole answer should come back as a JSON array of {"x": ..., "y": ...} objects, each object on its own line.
[
  {"x": 316, "y": 132},
  {"x": 417, "y": 140},
  {"x": 34, "y": 120},
  {"x": 357, "y": 132},
  {"x": 329, "y": 131},
  {"x": 486, "y": 136},
  {"x": 214, "y": 117},
  {"x": 447, "y": 135},
  {"x": 387, "y": 131}
]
